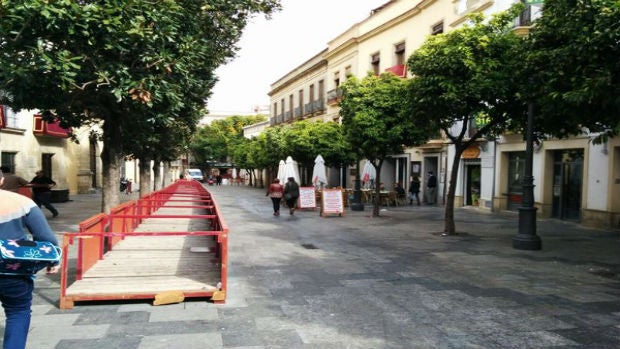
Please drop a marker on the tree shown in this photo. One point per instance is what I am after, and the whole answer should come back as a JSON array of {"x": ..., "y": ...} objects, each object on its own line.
[
  {"x": 272, "y": 147},
  {"x": 215, "y": 141},
  {"x": 573, "y": 59},
  {"x": 306, "y": 140},
  {"x": 375, "y": 123},
  {"x": 467, "y": 76},
  {"x": 107, "y": 61}
]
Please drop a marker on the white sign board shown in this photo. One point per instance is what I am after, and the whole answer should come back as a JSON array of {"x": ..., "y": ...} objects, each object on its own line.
[
  {"x": 332, "y": 202},
  {"x": 307, "y": 197}
]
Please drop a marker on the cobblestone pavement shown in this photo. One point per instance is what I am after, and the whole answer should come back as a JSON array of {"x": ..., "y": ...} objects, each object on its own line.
[{"x": 306, "y": 281}]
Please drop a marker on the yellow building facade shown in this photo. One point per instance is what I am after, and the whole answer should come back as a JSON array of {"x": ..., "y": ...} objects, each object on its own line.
[
  {"x": 29, "y": 144},
  {"x": 575, "y": 179}
]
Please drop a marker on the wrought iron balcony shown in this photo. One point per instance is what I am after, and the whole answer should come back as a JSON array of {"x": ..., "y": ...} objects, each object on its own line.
[
  {"x": 298, "y": 112},
  {"x": 319, "y": 106},
  {"x": 334, "y": 96}
]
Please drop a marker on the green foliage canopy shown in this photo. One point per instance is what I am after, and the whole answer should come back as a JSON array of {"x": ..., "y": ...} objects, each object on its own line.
[
  {"x": 375, "y": 122},
  {"x": 120, "y": 62},
  {"x": 573, "y": 59},
  {"x": 469, "y": 77}
]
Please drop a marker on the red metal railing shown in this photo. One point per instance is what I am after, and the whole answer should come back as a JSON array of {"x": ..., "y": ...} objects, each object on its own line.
[{"x": 100, "y": 233}]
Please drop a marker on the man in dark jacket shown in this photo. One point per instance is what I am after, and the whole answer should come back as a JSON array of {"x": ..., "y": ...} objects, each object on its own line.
[
  {"x": 42, "y": 191},
  {"x": 431, "y": 188},
  {"x": 291, "y": 194}
]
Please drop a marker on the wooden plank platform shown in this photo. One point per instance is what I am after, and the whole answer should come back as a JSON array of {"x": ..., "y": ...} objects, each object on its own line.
[{"x": 140, "y": 267}]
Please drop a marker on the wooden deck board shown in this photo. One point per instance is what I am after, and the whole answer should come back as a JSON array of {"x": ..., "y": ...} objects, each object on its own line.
[{"x": 141, "y": 285}]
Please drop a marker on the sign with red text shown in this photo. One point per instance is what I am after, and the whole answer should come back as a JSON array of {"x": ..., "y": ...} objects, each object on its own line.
[
  {"x": 307, "y": 197},
  {"x": 332, "y": 202}
]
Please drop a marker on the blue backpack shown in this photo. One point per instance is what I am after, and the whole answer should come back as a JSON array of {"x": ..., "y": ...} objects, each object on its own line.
[{"x": 26, "y": 257}]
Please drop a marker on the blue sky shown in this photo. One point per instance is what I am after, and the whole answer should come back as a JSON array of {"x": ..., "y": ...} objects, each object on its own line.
[{"x": 272, "y": 48}]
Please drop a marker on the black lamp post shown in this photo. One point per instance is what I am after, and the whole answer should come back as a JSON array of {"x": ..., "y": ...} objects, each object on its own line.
[
  {"x": 356, "y": 204},
  {"x": 527, "y": 239}
]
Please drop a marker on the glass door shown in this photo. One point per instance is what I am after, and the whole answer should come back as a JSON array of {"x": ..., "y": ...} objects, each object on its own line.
[
  {"x": 516, "y": 170},
  {"x": 567, "y": 184}
]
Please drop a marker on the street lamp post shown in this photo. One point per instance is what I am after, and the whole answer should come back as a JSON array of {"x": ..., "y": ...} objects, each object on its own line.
[
  {"x": 527, "y": 239},
  {"x": 357, "y": 205}
]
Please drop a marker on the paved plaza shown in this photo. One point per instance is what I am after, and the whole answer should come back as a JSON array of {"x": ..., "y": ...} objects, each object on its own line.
[{"x": 312, "y": 282}]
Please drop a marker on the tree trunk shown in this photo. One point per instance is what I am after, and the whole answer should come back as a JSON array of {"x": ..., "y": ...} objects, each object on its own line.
[
  {"x": 165, "y": 180},
  {"x": 145, "y": 176},
  {"x": 249, "y": 171},
  {"x": 449, "y": 227},
  {"x": 377, "y": 204},
  {"x": 111, "y": 155},
  {"x": 157, "y": 177}
]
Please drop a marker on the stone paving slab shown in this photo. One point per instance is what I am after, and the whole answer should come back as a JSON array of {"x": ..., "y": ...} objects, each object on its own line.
[{"x": 359, "y": 281}]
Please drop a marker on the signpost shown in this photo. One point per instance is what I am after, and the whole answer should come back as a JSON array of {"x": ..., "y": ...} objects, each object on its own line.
[
  {"x": 332, "y": 202},
  {"x": 307, "y": 197}
]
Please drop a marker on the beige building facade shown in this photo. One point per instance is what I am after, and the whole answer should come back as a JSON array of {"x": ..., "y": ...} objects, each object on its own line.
[
  {"x": 29, "y": 144},
  {"x": 574, "y": 179}
]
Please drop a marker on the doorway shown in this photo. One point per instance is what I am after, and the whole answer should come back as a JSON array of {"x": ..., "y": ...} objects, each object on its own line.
[
  {"x": 472, "y": 184},
  {"x": 567, "y": 184},
  {"x": 46, "y": 164},
  {"x": 431, "y": 163}
]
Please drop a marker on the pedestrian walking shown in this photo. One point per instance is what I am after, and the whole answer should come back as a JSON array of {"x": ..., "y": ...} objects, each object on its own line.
[
  {"x": 414, "y": 190},
  {"x": 275, "y": 192},
  {"x": 17, "y": 213},
  {"x": 42, "y": 191},
  {"x": 291, "y": 194},
  {"x": 12, "y": 182},
  {"x": 431, "y": 188}
]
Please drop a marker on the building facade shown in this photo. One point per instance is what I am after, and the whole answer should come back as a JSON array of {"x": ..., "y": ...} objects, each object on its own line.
[
  {"x": 574, "y": 178},
  {"x": 29, "y": 144}
]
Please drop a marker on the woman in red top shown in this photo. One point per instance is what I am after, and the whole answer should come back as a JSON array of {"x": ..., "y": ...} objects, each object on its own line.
[{"x": 275, "y": 192}]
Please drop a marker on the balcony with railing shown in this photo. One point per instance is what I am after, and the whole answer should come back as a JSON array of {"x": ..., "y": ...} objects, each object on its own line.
[
  {"x": 288, "y": 116},
  {"x": 524, "y": 22},
  {"x": 298, "y": 112},
  {"x": 49, "y": 128},
  {"x": 308, "y": 109},
  {"x": 334, "y": 96},
  {"x": 319, "y": 106}
]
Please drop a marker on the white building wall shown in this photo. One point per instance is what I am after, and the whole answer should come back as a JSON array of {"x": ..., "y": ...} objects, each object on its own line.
[{"x": 598, "y": 178}]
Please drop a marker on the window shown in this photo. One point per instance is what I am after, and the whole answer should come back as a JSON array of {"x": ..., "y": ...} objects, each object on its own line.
[
  {"x": 399, "y": 53},
  {"x": 375, "y": 61},
  {"x": 311, "y": 94},
  {"x": 275, "y": 109},
  {"x": 282, "y": 106},
  {"x": 10, "y": 118},
  {"x": 8, "y": 160},
  {"x": 321, "y": 90},
  {"x": 437, "y": 28},
  {"x": 337, "y": 79},
  {"x": 291, "y": 106},
  {"x": 347, "y": 71},
  {"x": 525, "y": 18},
  {"x": 301, "y": 99}
]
